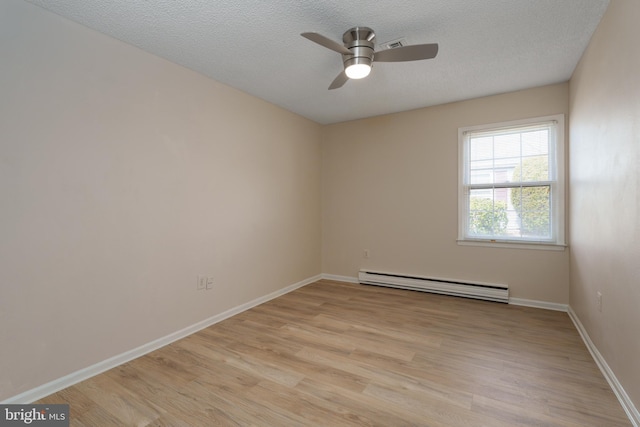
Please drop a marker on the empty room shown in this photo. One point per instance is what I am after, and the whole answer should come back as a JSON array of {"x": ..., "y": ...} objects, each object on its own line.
[{"x": 320, "y": 213}]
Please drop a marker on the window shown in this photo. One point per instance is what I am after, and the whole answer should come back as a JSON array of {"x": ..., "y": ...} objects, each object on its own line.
[{"x": 511, "y": 187}]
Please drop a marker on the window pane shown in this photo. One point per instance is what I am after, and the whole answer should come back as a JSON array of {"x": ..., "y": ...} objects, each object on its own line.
[
  {"x": 533, "y": 169},
  {"x": 481, "y": 172},
  {"x": 507, "y": 146},
  {"x": 536, "y": 224},
  {"x": 532, "y": 206},
  {"x": 481, "y": 148},
  {"x": 535, "y": 143},
  {"x": 488, "y": 212}
]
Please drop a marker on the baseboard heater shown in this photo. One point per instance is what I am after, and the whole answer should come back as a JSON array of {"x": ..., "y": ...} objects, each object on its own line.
[{"x": 477, "y": 290}]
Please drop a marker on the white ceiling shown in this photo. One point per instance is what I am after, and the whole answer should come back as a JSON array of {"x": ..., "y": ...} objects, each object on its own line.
[{"x": 486, "y": 46}]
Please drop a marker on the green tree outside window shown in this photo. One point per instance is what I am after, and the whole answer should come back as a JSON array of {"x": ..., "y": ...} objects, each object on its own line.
[
  {"x": 532, "y": 204},
  {"x": 487, "y": 217}
]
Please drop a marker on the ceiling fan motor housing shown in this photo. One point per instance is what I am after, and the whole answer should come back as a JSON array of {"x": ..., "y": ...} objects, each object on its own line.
[{"x": 359, "y": 40}]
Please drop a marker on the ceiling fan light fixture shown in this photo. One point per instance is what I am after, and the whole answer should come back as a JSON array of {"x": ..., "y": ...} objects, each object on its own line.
[
  {"x": 357, "y": 67},
  {"x": 358, "y": 71}
]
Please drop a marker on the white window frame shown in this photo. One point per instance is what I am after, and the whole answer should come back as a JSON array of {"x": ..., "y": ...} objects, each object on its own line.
[{"x": 557, "y": 186}]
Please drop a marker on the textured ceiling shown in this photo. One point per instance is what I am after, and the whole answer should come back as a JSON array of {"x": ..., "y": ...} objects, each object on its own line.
[{"x": 486, "y": 47}]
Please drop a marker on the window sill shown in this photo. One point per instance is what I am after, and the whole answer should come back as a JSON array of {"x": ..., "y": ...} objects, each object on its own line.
[{"x": 513, "y": 245}]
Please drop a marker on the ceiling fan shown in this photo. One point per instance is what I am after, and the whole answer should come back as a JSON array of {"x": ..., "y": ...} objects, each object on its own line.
[{"x": 358, "y": 54}]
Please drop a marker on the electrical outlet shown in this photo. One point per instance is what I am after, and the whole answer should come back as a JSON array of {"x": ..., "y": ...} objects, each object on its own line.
[
  {"x": 366, "y": 253},
  {"x": 209, "y": 282},
  {"x": 599, "y": 300},
  {"x": 202, "y": 283}
]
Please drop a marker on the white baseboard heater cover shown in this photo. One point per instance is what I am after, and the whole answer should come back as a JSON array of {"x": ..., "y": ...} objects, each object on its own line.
[{"x": 477, "y": 290}]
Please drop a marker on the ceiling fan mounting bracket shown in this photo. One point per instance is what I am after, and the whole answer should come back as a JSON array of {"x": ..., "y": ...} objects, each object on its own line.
[{"x": 358, "y": 34}]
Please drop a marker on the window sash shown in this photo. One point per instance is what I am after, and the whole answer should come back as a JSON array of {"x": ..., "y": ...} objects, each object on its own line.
[
  {"x": 523, "y": 227},
  {"x": 550, "y": 125}
]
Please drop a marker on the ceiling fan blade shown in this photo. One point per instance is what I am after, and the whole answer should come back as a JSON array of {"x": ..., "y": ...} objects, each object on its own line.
[
  {"x": 407, "y": 53},
  {"x": 339, "y": 81},
  {"x": 326, "y": 42}
]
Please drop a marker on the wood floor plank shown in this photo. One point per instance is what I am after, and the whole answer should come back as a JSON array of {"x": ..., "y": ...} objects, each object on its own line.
[
  {"x": 369, "y": 410},
  {"x": 339, "y": 354}
]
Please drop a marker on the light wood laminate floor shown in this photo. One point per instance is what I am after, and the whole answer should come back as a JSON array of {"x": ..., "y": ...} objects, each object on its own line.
[{"x": 338, "y": 354}]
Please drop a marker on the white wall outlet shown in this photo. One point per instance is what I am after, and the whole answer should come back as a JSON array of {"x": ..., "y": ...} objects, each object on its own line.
[
  {"x": 209, "y": 282},
  {"x": 599, "y": 300},
  {"x": 202, "y": 283}
]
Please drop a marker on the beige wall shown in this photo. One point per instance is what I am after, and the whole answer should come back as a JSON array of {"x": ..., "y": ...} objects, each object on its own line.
[
  {"x": 123, "y": 177},
  {"x": 605, "y": 191},
  {"x": 390, "y": 186}
]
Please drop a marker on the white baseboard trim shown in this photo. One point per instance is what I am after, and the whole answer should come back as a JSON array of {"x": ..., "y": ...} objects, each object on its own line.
[
  {"x": 336, "y": 278},
  {"x": 100, "y": 367},
  {"x": 539, "y": 304},
  {"x": 618, "y": 390}
]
